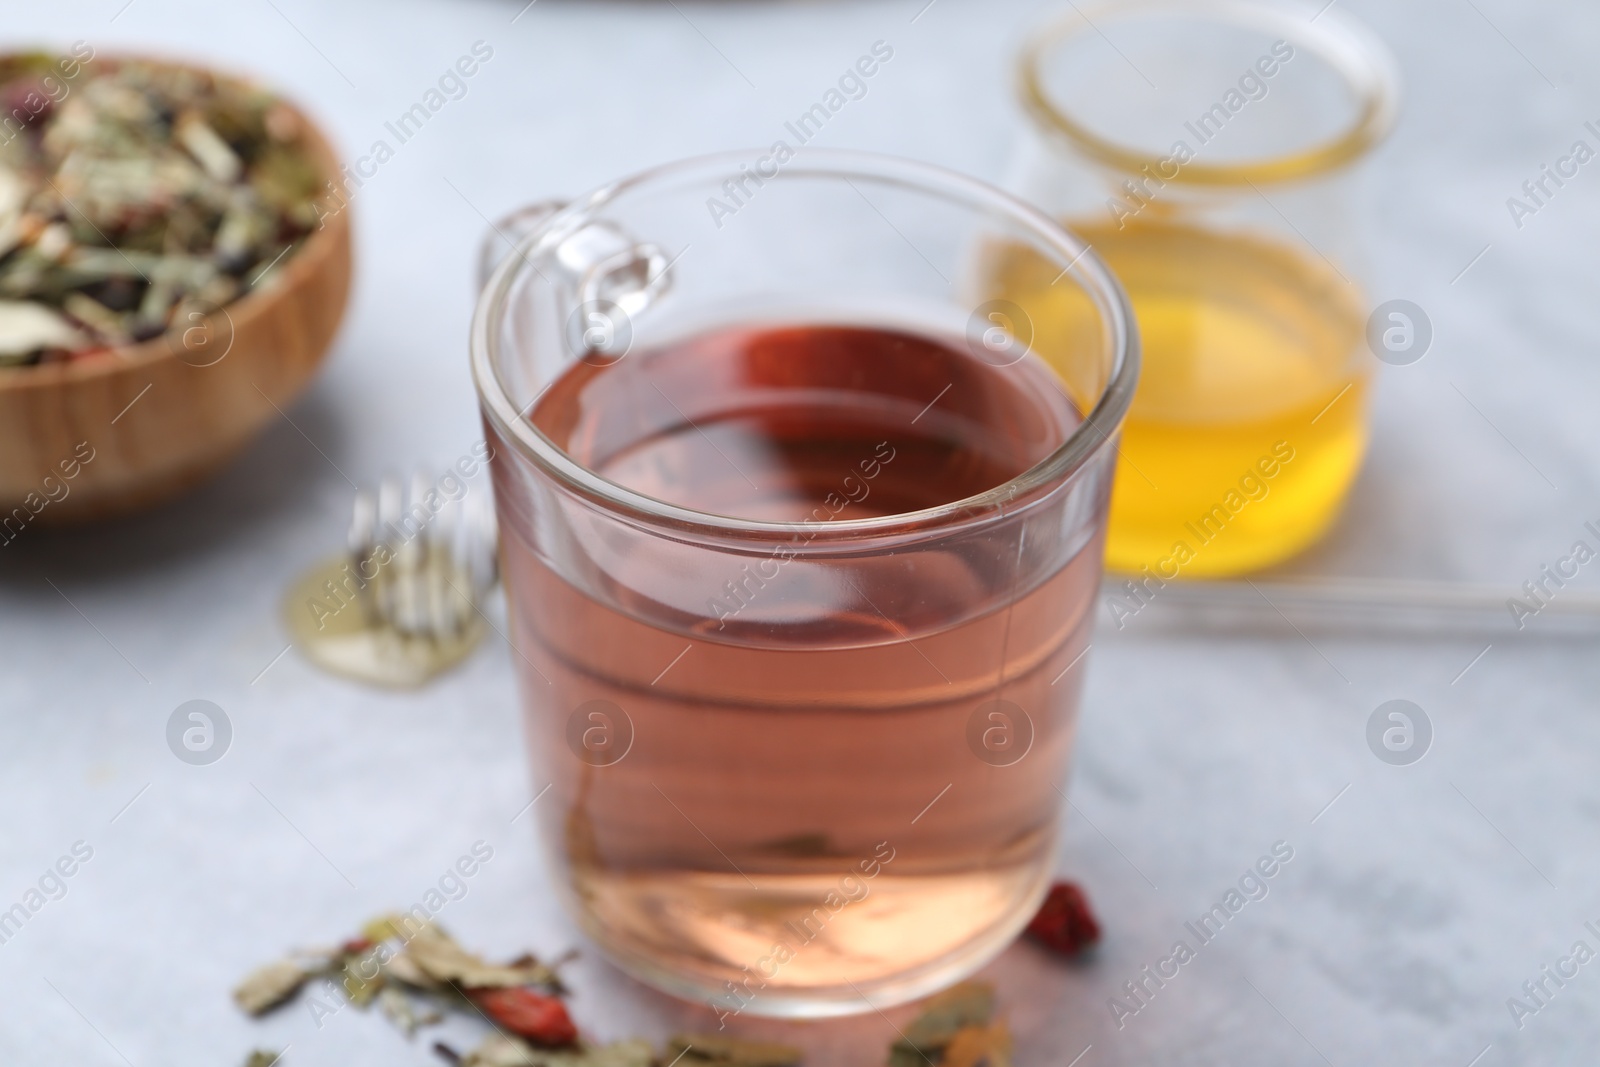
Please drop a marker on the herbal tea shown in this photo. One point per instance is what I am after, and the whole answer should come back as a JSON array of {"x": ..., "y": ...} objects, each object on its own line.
[
  {"x": 1249, "y": 421},
  {"x": 811, "y": 773}
]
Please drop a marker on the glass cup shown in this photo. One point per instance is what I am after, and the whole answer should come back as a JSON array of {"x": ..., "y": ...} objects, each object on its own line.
[
  {"x": 802, "y": 746},
  {"x": 1206, "y": 149}
]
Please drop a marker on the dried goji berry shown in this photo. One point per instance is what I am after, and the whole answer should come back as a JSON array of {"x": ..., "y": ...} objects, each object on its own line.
[
  {"x": 541, "y": 1019},
  {"x": 1064, "y": 923}
]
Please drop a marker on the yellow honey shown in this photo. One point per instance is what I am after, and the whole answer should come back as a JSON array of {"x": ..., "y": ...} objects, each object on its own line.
[{"x": 1249, "y": 423}]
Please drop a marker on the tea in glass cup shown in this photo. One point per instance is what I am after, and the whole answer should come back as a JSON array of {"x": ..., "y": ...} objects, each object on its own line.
[{"x": 801, "y": 566}]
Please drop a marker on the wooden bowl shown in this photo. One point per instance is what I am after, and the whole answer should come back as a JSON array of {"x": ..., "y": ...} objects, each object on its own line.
[{"x": 117, "y": 432}]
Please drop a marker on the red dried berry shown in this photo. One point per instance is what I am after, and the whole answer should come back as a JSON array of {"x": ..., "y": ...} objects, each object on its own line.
[
  {"x": 1064, "y": 923},
  {"x": 541, "y": 1019},
  {"x": 355, "y": 946}
]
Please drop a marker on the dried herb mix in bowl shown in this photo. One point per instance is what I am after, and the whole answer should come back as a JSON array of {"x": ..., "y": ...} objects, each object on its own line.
[{"x": 136, "y": 196}]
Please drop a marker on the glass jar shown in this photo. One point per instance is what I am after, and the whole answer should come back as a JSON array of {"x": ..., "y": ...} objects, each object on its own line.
[{"x": 1206, "y": 149}]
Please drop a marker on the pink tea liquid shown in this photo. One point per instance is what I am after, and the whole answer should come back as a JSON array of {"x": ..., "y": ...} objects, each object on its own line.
[{"x": 790, "y": 793}]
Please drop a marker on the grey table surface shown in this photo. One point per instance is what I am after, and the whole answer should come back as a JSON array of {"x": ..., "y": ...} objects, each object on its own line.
[{"x": 1419, "y": 898}]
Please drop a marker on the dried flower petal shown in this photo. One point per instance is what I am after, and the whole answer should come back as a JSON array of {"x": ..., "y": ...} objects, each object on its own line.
[
  {"x": 539, "y": 1018},
  {"x": 1064, "y": 922}
]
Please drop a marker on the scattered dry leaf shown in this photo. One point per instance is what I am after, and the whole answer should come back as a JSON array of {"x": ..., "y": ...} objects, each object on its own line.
[
  {"x": 388, "y": 927},
  {"x": 438, "y": 956},
  {"x": 979, "y": 1046},
  {"x": 403, "y": 969},
  {"x": 261, "y": 1058},
  {"x": 362, "y": 980},
  {"x": 399, "y": 1009},
  {"x": 500, "y": 1050},
  {"x": 267, "y": 987},
  {"x": 968, "y": 1005},
  {"x": 695, "y": 1050}
]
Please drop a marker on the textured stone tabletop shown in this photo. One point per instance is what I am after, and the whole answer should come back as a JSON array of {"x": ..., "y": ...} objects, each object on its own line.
[{"x": 1418, "y": 898}]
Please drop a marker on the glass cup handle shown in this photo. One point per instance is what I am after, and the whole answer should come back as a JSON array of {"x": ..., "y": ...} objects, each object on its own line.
[
  {"x": 606, "y": 275},
  {"x": 510, "y": 230}
]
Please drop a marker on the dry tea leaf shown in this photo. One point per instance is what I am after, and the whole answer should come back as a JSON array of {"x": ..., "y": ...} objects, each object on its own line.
[
  {"x": 499, "y": 1050},
  {"x": 178, "y": 185},
  {"x": 979, "y": 1046},
  {"x": 396, "y": 952},
  {"x": 970, "y": 1004},
  {"x": 207, "y": 147},
  {"x": 634, "y": 1052},
  {"x": 27, "y": 327},
  {"x": 800, "y": 846},
  {"x": 695, "y": 1050},
  {"x": 396, "y": 1007},
  {"x": 399, "y": 1009},
  {"x": 362, "y": 980},
  {"x": 403, "y": 969},
  {"x": 440, "y": 958},
  {"x": 266, "y": 987},
  {"x": 262, "y": 1058},
  {"x": 389, "y": 927}
]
